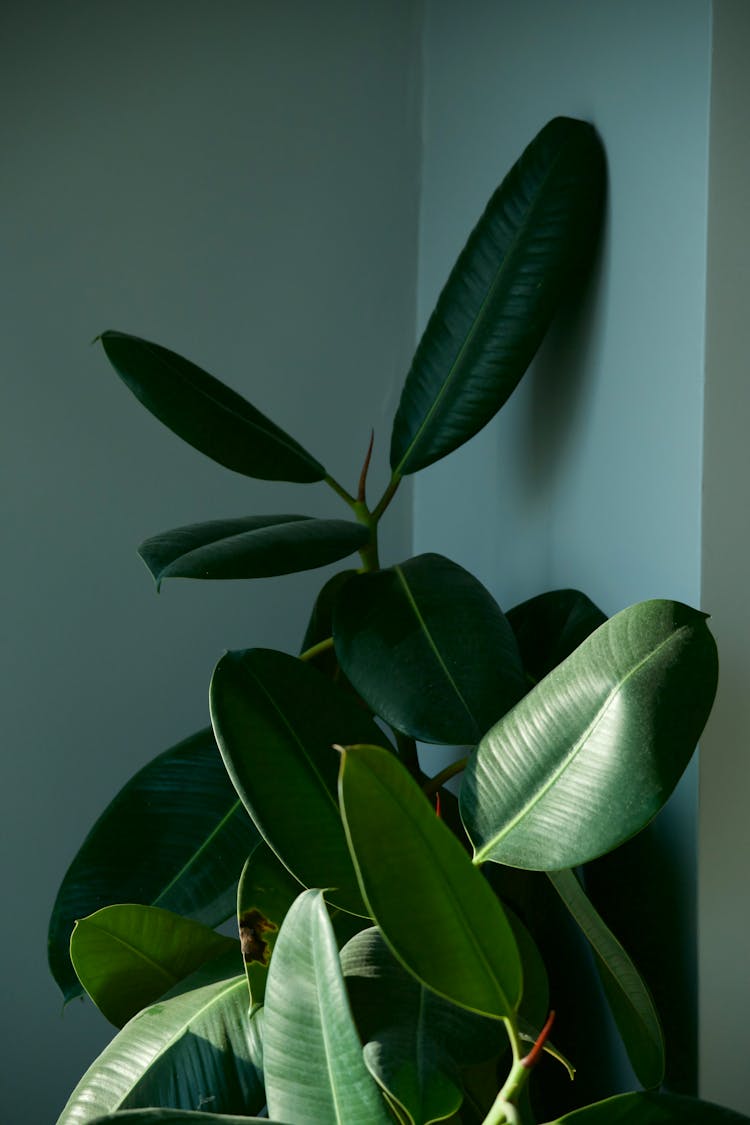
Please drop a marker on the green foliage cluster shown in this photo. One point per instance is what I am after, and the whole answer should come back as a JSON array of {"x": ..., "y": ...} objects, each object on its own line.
[{"x": 394, "y": 961}]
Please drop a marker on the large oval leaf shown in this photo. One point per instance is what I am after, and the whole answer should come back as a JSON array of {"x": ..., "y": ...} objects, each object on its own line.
[
  {"x": 276, "y": 721},
  {"x": 415, "y": 1041},
  {"x": 428, "y": 648},
  {"x": 435, "y": 909},
  {"x": 264, "y": 896},
  {"x": 206, "y": 413},
  {"x": 176, "y": 1117},
  {"x": 175, "y": 836},
  {"x": 628, "y": 995},
  {"x": 127, "y": 956},
  {"x": 195, "y": 1048},
  {"x": 253, "y": 547},
  {"x": 314, "y": 1071},
  {"x": 533, "y": 240},
  {"x": 652, "y": 1109},
  {"x": 591, "y": 754},
  {"x": 550, "y": 626}
]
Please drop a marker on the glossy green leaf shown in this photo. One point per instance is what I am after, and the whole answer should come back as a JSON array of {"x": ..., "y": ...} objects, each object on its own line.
[
  {"x": 313, "y": 1064},
  {"x": 175, "y": 836},
  {"x": 276, "y": 721},
  {"x": 127, "y": 956},
  {"x": 591, "y": 754},
  {"x": 627, "y": 993},
  {"x": 195, "y": 1048},
  {"x": 206, "y": 413},
  {"x": 652, "y": 1109},
  {"x": 551, "y": 626},
  {"x": 434, "y": 908},
  {"x": 176, "y": 1117},
  {"x": 533, "y": 241},
  {"x": 428, "y": 648},
  {"x": 264, "y": 896},
  {"x": 415, "y": 1040},
  {"x": 253, "y": 547}
]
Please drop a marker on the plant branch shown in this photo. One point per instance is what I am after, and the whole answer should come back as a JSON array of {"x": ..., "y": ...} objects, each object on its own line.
[
  {"x": 438, "y": 781},
  {"x": 407, "y": 752},
  {"x": 386, "y": 498}
]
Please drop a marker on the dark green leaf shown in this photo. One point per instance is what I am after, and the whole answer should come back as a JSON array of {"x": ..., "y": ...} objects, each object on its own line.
[
  {"x": 428, "y": 648},
  {"x": 176, "y": 1117},
  {"x": 206, "y": 413},
  {"x": 533, "y": 241},
  {"x": 265, "y": 893},
  {"x": 627, "y": 993},
  {"x": 415, "y": 1041},
  {"x": 314, "y": 1070},
  {"x": 320, "y": 625},
  {"x": 651, "y": 1109},
  {"x": 591, "y": 754},
  {"x": 551, "y": 626},
  {"x": 276, "y": 721},
  {"x": 434, "y": 908},
  {"x": 253, "y": 547},
  {"x": 127, "y": 956},
  {"x": 197, "y": 1046},
  {"x": 175, "y": 836}
]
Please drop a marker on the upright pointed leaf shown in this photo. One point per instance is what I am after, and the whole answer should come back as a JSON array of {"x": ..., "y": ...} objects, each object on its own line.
[
  {"x": 276, "y": 721},
  {"x": 264, "y": 896},
  {"x": 435, "y": 909},
  {"x": 591, "y": 754},
  {"x": 627, "y": 993},
  {"x": 415, "y": 1041},
  {"x": 127, "y": 956},
  {"x": 195, "y": 1048},
  {"x": 550, "y": 626},
  {"x": 532, "y": 242},
  {"x": 314, "y": 1070},
  {"x": 206, "y": 413},
  {"x": 175, "y": 836},
  {"x": 428, "y": 648},
  {"x": 253, "y": 547},
  {"x": 652, "y": 1109}
]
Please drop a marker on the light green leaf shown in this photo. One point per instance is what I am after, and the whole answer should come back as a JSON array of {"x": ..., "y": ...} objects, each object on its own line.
[
  {"x": 531, "y": 244},
  {"x": 127, "y": 956},
  {"x": 627, "y": 993},
  {"x": 253, "y": 547},
  {"x": 434, "y": 908},
  {"x": 591, "y": 754},
  {"x": 651, "y": 1109},
  {"x": 428, "y": 648},
  {"x": 175, "y": 836},
  {"x": 195, "y": 1048},
  {"x": 415, "y": 1041},
  {"x": 276, "y": 721},
  {"x": 313, "y": 1063},
  {"x": 206, "y": 413},
  {"x": 265, "y": 893}
]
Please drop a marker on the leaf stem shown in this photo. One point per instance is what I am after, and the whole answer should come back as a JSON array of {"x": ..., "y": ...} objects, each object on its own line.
[
  {"x": 316, "y": 650},
  {"x": 340, "y": 490},
  {"x": 431, "y": 787},
  {"x": 386, "y": 498}
]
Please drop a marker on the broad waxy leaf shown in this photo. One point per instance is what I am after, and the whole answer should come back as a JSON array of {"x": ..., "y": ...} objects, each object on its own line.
[
  {"x": 252, "y": 547},
  {"x": 591, "y": 754},
  {"x": 551, "y": 626},
  {"x": 175, "y": 836},
  {"x": 197, "y": 1047},
  {"x": 628, "y": 995},
  {"x": 314, "y": 1071},
  {"x": 652, "y": 1109},
  {"x": 415, "y": 1041},
  {"x": 428, "y": 648},
  {"x": 265, "y": 893},
  {"x": 531, "y": 244},
  {"x": 206, "y": 413},
  {"x": 127, "y": 956},
  {"x": 176, "y": 1117},
  {"x": 276, "y": 721},
  {"x": 434, "y": 908}
]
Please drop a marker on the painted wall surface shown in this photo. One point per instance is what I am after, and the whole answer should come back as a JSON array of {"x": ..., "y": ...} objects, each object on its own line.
[
  {"x": 724, "y": 899},
  {"x": 238, "y": 181},
  {"x": 591, "y": 475}
]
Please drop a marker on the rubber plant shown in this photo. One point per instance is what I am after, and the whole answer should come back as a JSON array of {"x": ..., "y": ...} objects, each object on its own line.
[{"x": 387, "y": 966}]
